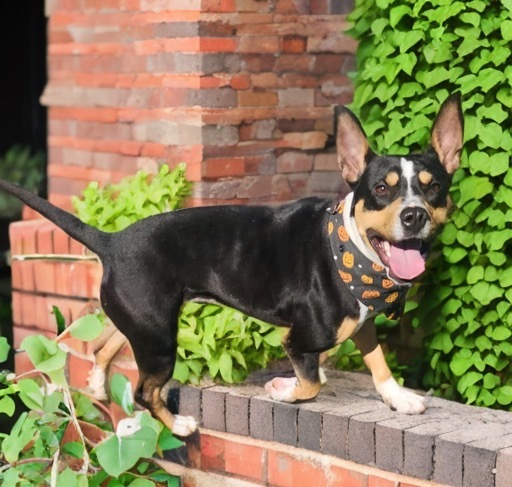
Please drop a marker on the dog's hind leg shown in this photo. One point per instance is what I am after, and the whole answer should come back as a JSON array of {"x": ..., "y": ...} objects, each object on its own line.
[
  {"x": 148, "y": 394},
  {"x": 156, "y": 367},
  {"x": 151, "y": 327}
]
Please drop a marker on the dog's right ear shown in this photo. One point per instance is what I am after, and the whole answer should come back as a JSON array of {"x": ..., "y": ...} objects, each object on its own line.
[
  {"x": 351, "y": 144},
  {"x": 448, "y": 133}
]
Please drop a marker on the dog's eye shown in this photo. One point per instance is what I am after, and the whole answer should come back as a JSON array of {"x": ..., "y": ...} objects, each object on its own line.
[
  {"x": 381, "y": 189},
  {"x": 435, "y": 187}
]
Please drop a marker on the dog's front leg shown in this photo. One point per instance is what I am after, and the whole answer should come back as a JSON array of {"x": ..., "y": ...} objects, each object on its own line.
[
  {"x": 395, "y": 396},
  {"x": 307, "y": 381}
]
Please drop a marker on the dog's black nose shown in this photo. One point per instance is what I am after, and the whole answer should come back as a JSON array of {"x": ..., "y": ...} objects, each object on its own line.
[{"x": 414, "y": 218}]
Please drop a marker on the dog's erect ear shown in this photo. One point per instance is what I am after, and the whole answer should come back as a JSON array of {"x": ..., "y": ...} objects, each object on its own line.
[
  {"x": 352, "y": 146},
  {"x": 448, "y": 133}
]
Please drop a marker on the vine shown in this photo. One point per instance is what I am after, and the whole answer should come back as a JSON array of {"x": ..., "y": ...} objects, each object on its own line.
[{"x": 411, "y": 56}]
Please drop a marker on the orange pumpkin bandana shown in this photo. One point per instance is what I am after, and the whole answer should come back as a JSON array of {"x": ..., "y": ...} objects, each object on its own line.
[{"x": 366, "y": 280}]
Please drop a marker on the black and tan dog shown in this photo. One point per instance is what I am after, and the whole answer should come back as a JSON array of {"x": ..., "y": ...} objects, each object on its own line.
[{"x": 321, "y": 268}]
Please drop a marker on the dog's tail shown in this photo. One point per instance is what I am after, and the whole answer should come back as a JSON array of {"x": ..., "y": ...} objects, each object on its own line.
[{"x": 94, "y": 239}]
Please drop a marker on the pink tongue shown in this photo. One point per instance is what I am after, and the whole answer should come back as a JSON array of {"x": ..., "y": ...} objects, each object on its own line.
[{"x": 406, "y": 263}]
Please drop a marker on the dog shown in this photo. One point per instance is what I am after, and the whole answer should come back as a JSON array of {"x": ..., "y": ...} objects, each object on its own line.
[{"x": 323, "y": 269}]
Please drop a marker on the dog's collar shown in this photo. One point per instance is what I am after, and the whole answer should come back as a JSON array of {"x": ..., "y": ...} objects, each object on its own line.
[{"x": 367, "y": 280}]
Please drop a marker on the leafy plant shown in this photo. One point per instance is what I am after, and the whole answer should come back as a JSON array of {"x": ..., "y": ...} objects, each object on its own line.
[
  {"x": 20, "y": 166},
  {"x": 221, "y": 342},
  {"x": 213, "y": 340},
  {"x": 411, "y": 56},
  {"x": 116, "y": 206},
  {"x": 65, "y": 438}
]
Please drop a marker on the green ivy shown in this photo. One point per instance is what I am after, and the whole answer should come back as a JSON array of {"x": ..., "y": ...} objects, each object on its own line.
[
  {"x": 411, "y": 56},
  {"x": 213, "y": 341}
]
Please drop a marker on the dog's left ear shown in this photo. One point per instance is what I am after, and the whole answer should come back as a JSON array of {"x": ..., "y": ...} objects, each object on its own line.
[
  {"x": 351, "y": 144},
  {"x": 448, "y": 133}
]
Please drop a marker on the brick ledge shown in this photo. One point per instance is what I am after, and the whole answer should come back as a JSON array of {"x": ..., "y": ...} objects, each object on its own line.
[{"x": 450, "y": 444}]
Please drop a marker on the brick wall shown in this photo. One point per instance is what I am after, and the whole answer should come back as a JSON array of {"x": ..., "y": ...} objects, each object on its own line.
[
  {"x": 226, "y": 457},
  {"x": 241, "y": 90}
]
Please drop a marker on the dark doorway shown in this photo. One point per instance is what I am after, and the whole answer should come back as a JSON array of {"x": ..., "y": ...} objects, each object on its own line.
[
  {"x": 23, "y": 61},
  {"x": 22, "y": 80}
]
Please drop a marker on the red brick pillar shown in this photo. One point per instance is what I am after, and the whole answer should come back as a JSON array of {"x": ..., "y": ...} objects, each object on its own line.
[{"x": 242, "y": 91}]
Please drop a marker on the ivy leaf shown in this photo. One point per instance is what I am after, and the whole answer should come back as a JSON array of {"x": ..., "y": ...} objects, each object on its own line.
[
  {"x": 493, "y": 112},
  {"x": 451, "y": 306},
  {"x": 460, "y": 362},
  {"x": 505, "y": 278},
  {"x": 478, "y": 161},
  {"x": 497, "y": 240},
  {"x": 475, "y": 274},
  {"x": 483, "y": 343},
  {"x": 474, "y": 187},
  {"x": 501, "y": 333},
  {"x": 449, "y": 234},
  {"x": 443, "y": 342},
  {"x": 506, "y": 30},
  {"x": 484, "y": 292},
  {"x": 471, "y": 18},
  {"x": 486, "y": 398},
  {"x": 491, "y": 381},
  {"x": 378, "y": 26},
  {"x": 397, "y": 13},
  {"x": 497, "y": 258},
  {"x": 490, "y": 135},
  {"x": 454, "y": 254},
  {"x": 467, "y": 380},
  {"x": 436, "y": 76},
  {"x": 504, "y": 395}
]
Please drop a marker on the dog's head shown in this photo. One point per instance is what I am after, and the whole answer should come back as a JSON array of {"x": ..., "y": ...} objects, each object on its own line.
[{"x": 399, "y": 202}]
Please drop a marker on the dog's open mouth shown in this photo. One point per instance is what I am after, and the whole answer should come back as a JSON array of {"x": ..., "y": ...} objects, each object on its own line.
[{"x": 405, "y": 259}]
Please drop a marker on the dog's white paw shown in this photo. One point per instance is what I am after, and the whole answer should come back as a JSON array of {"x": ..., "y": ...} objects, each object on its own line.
[
  {"x": 96, "y": 383},
  {"x": 184, "y": 425},
  {"x": 400, "y": 399},
  {"x": 282, "y": 389}
]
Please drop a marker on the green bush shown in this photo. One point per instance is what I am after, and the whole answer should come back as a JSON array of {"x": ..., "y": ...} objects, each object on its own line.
[
  {"x": 213, "y": 340},
  {"x": 64, "y": 438},
  {"x": 115, "y": 206},
  {"x": 223, "y": 343},
  {"x": 411, "y": 56}
]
